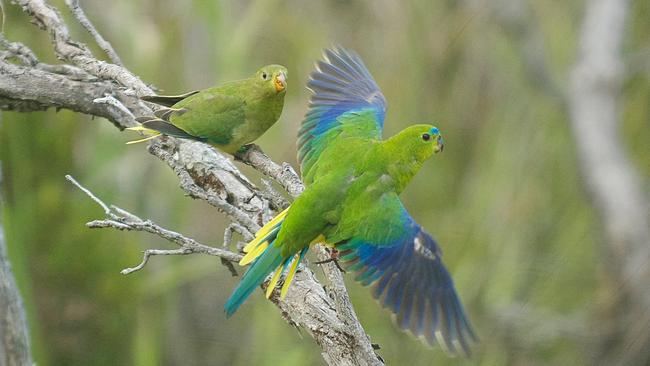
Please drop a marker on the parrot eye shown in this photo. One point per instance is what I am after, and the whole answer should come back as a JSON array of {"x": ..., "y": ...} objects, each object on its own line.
[
  {"x": 426, "y": 137},
  {"x": 264, "y": 75}
]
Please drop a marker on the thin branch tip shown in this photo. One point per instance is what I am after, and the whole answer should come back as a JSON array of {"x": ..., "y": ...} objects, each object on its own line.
[
  {"x": 101, "y": 203},
  {"x": 152, "y": 252},
  {"x": 78, "y": 12}
]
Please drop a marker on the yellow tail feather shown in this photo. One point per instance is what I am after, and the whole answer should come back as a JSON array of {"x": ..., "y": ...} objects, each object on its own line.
[
  {"x": 139, "y": 128},
  {"x": 145, "y": 130},
  {"x": 253, "y": 244},
  {"x": 142, "y": 140},
  {"x": 253, "y": 254},
  {"x": 257, "y": 246},
  {"x": 274, "y": 281},
  {"x": 269, "y": 225},
  {"x": 290, "y": 276}
]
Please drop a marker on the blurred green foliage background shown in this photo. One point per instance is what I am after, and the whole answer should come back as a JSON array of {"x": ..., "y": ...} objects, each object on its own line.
[{"x": 504, "y": 200}]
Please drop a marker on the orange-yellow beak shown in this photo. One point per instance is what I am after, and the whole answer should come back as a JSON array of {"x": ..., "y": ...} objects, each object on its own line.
[
  {"x": 440, "y": 145},
  {"x": 280, "y": 82}
]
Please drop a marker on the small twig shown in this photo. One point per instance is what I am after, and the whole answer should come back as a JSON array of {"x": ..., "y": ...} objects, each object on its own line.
[
  {"x": 131, "y": 222},
  {"x": 22, "y": 52},
  {"x": 48, "y": 18},
  {"x": 85, "y": 22},
  {"x": 104, "y": 206},
  {"x": 235, "y": 227},
  {"x": 121, "y": 219},
  {"x": 99, "y": 224},
  {"x": 125, "y": 213},
  {"x": 27, "y": 57},
  {"x": 227, "y": 241},
  {"x": 228, "y": 209},
  {"x": 231, "y": 267},
  {"x": 112, "y": 101},
  {"x": 283, "y": 174},
  {"x": 151, "y": 252},
  {"x": 271, "y": 194},
  {"x": 73, "y": 72}
]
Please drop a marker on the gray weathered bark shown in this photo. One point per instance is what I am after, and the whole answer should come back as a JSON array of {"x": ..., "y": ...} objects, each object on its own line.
[
  {"x": 612, "y": 182},
  {"x": 107, "y": 90},
  {"x": 14, "y": 338}
]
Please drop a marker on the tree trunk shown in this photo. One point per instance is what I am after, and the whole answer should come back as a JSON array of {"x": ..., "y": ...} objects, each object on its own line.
[
  {"x": 14, "y": 339},
  {"x": 613, "y": 183}
]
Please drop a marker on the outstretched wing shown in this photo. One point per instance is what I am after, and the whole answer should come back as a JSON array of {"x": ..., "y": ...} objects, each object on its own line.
[
  {"x": 342, "y": 87},
  {"x": 403, "y": 263}
]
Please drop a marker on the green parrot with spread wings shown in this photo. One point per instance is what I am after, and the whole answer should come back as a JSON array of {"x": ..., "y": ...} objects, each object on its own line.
[{"x": 351, "y": 202}]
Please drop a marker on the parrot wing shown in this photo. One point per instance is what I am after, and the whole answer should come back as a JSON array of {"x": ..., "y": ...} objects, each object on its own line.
[
  {"x": 167, "y": 100},
  {"x": 402, "y": 262},
  {"x": 342, "y": 87},
  {"x": 208, "y": 115}
]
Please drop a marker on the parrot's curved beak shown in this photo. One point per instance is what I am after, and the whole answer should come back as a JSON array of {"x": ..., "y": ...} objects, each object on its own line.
[
  {"x": 439, "y": 145},
  {"x": 280, "y": 82}
]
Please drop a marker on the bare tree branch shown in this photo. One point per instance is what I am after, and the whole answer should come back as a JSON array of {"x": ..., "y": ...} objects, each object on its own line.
[
  {"x": 48, "y": 18},
  {"x": 208, "y": 175},
  {"x": 203, "y": 173},
  {"x": 283, "y": 174},
  {"x": 331, "y": 321},
  {"x": 151, "y": 252},
  {"x": 83, "y": 20},
  {"x": 339, "y": 293},
  {"x": 613, "y": 183},
  {"x": 22, "y": 52},
  {"x": 121, "y": 219},
  {"x": 27, "y": 89}
]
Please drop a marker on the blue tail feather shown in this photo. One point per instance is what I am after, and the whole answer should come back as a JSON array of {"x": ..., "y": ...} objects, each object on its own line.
[{"x": 254, "y": 276}]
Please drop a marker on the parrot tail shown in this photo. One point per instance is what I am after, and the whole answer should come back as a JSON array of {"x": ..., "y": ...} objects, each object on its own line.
[
  {"x": 156, "y": 126},
  {"x": 265, "y": 258},
  {"x": 142, "y": 129}
]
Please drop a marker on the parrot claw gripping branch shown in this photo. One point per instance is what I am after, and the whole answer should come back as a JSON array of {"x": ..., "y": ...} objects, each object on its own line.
[{"x": 353, "y": 178}]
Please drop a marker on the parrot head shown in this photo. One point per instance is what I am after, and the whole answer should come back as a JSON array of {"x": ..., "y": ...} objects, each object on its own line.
[
  {"x": 273, "y": 78},
  {"x": 409, "y": 149},
  {"x": 423, "y": 140}
]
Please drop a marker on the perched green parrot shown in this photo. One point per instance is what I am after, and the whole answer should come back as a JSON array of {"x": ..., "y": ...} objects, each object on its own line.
[
  {"x": 228, "y": 116},
  {"x": 351, "y": 201}
]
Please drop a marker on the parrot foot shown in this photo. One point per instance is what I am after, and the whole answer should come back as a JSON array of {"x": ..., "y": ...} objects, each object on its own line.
[
  {"x": 334, "y": 257},
  {"x": 242, "y": 151}
]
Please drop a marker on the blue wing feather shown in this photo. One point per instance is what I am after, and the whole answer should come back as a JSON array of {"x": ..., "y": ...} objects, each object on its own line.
[
  {"x": 409, "y": 278},
  {"x": 341, "y": 84}
]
